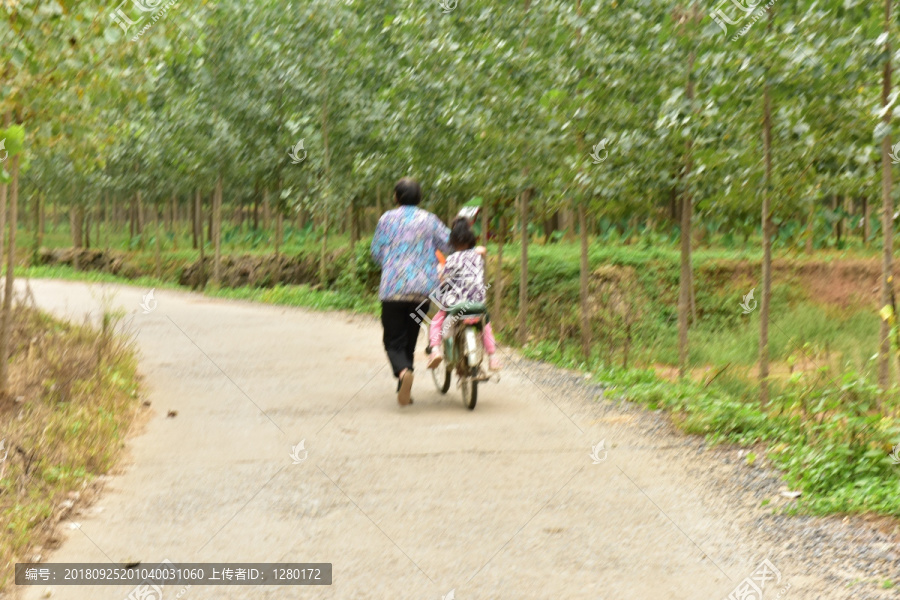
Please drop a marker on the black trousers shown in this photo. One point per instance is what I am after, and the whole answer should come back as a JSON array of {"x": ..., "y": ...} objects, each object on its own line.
[{"x": 400, "y": 321}]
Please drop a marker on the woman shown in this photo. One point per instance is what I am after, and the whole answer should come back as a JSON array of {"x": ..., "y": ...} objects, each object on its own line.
[{"x": 404, "y": 246}]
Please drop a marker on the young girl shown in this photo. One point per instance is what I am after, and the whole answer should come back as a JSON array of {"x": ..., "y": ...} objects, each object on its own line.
[{"x": 462, "y": 281}]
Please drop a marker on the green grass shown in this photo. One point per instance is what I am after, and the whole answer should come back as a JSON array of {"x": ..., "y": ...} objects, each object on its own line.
[
  {"x": 70, "y": 274},
  {"x": 302, "y": 296},
  {"x": 803, "y": 331}
]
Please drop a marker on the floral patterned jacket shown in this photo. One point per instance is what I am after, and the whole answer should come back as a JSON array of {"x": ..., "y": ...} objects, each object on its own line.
[{"x": 404, "y": 245}]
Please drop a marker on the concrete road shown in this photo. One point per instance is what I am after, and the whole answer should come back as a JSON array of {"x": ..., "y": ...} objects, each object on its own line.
[{"x": 427, "y": 502}]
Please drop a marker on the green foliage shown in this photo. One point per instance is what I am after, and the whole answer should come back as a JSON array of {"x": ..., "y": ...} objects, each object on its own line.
[
  {"x": 487, "y": 101},
  {"x": 14, "y": 137}
]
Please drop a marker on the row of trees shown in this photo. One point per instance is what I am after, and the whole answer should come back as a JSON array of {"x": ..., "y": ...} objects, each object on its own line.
[{"x": 584, "y": 108}]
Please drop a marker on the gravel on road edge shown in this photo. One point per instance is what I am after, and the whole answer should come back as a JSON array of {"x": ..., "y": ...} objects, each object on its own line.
[{"x": 858, "y": 554}]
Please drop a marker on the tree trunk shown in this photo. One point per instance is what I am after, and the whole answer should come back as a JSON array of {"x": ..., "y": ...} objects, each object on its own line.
[
  {"x": 498, "y": 276},
  {"x": 323, "y": 254},
  {"x": 37, "y": 210},
  {"x": 173, "y": 224},
  {"x": 217, "y": 232},
  {"x": 87, "y": 228},
  {"x": 326, "y": 154},
  {"x": 523, "y": 268},
  {"x": 766, "y": 242},
  {"x": 301, "y": 218},
  {"x": 140, "y": 220},
  {"x": 850, "y": 210},
  {"x": 6, "y": 319},
  {"x": 585, "y": 305},
  {"x": 266, "y": 212},
  {"x": 117, "y": 220},
  {"x": 354, "y": 224},
  {"x": 4, "y": 335},
  {"x": 98, "y": 219},
  {"x": 42, "y": 226},
  {"x": 170, "y": 215},
  {"x": 198, "y": 234},
  {"x": 256, "y": 210},
  {"x": 77, "y": 222},
  {"x": 684, "y": 284},
  {"x": 810, "y": 226},
  {"x": 209, "y": 224},
  {"x": 866, "y": 212},
  {"x": 4, "y": 190},
  {"x": 279, "y": 227},
  {"x": 485, "y": 222},
  {"x": 838, "y": 222},
  {"x": 157, "y": 252},
  {"x": 196, "y": 226},
  {"x": 279, "y": 217},
  {"x": 685, "y": 279},
  {"x": 132, "y": 217},
  {"x": 567, "y": 222},
  {"x": 887, "y": 210}
]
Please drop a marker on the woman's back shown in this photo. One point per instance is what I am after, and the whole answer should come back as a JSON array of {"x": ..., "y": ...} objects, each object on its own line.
[{"x": 404, "y": 245}]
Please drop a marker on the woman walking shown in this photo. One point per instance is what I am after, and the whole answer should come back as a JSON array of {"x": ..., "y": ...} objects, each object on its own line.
[{"x": 404, "y": 246}]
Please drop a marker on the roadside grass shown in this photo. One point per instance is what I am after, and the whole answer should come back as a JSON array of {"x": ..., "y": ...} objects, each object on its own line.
[
  {"x": 301, "y": 296},
  {"x": 70, "y": 274},
  {"x": 801, "y": 334},
  {"x": 73, "y": 398},
  {"x": 831, "y": 438},
  {"x": 305, "y": 296}
]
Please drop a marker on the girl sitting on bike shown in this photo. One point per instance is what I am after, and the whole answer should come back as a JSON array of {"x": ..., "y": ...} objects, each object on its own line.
[{"x": 462, "y": 280}]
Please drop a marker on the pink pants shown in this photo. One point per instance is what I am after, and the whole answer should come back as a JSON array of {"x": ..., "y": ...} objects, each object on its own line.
[{"x": 436, "y": 331}]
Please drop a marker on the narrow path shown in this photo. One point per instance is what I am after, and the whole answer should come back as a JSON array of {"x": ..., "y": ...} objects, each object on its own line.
[{"x": 501, "y": 502}]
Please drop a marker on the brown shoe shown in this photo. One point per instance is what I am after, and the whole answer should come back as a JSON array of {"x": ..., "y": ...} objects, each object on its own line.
[
  {"x": 403, "y": 394},
  {"x": 435, "y": 358}
]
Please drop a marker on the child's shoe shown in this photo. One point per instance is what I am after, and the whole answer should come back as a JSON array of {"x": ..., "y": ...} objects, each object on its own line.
[
  {"x": 494, "y": 363},
  {"x": 435, "y": 358}
]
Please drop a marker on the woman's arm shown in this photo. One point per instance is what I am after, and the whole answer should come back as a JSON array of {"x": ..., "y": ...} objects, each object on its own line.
[{"x": 379, "y": 242}]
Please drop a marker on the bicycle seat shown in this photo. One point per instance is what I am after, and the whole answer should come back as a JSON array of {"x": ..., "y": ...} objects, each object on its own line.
[{"x": 468, "y": 309}]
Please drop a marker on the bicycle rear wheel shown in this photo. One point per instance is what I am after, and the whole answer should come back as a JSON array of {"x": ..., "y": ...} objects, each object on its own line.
[
  {"x": 441, "y": 376},
  {"x": 469, "y": 388}
]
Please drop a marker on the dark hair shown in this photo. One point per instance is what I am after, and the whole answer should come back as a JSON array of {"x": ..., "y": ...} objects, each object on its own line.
[
  {"x": 461, "y": 237},
  {"x": 407, "y": 192}
]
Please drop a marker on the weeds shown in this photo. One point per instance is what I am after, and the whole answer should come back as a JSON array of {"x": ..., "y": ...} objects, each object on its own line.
[
  {"x": 831, "y": 439},
  {"x": 74, "y": 398}
]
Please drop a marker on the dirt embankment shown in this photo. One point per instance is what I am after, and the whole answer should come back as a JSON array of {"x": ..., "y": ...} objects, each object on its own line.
[
  {"x": 258, "y": 271},
  {"x": 846, "y": 283},
  {"x": 90, "y": 260},
  {"x": 237, "y": 271}
]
